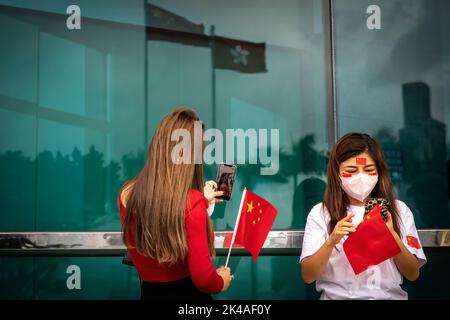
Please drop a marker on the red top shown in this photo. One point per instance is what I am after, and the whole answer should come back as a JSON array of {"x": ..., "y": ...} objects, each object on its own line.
[{"x": 197, "y": 264}]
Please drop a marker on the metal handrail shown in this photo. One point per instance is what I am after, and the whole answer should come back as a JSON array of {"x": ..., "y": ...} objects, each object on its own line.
[{"x": 104, "y": 243}]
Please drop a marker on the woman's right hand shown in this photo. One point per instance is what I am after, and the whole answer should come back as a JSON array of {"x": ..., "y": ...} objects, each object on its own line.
[
  {"x": 210, "y": 193},
  {"x": 342, "y": 228},
  {"x": 225, "y": 273}
]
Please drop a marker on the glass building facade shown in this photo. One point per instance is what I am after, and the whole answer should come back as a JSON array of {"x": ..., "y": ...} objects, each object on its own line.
[{"x": 79, "y": 106}]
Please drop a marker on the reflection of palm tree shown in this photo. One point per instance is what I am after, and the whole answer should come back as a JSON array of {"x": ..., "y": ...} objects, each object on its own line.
[
  {"x": 133, "y": 163},
  {"x": 250, "y": 173},
  {"x": 63, "y": 180},
  {"x": 306, "y": 160},
  {"x": 303, "y": 159}
]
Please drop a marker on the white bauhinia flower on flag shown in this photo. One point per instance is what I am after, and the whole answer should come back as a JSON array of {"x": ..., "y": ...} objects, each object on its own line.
[
  {"x": 239, "y": 55},
  {"x": 227, "y": 53}
]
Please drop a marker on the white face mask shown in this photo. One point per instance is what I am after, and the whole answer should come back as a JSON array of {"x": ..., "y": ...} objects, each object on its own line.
[{"x": 359, "y": 186}]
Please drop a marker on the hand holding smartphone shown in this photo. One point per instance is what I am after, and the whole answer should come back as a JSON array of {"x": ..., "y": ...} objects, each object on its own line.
[
  {"x": 370, "y": 203},
  {"x": 226, "y": 176}
]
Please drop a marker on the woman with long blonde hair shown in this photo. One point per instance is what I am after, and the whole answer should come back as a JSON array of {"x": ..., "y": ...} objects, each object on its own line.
[{"x": 165, "y": 223}]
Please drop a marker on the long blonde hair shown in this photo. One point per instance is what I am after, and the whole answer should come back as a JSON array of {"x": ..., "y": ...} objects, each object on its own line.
[{"x": 156, "y": 204}]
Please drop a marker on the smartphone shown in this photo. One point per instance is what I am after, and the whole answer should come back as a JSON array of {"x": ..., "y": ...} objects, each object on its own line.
[
  {"x": 370, "y": 203},
  {"x": 226, "y": 176}
]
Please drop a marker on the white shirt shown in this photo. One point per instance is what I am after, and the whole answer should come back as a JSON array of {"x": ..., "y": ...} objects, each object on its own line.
[{"x": 338, "y": 281}]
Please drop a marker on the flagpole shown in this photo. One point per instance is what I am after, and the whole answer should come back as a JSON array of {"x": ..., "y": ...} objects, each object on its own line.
[
  {"x": 213, "y": 77},
  {"x": 236, "y": 225}
]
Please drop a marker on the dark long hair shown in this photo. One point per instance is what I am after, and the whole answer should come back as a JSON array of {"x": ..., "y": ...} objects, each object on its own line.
[
  {"x": 157, "y": 202},
  {"x": 336, "y": 200}
]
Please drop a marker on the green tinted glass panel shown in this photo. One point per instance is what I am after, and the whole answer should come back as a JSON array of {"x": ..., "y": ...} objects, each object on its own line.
[
  {"x": 95, "y": 96},
  {"x": 393, "y": 83}
]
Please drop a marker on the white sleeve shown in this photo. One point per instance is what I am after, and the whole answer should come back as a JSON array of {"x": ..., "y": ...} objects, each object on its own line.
[
  {"x": 210, "y": 209},
  {"x": 316, "y": 232},
  {"x": 211, "y": 205},
  {"x": 409, "y": 234}
]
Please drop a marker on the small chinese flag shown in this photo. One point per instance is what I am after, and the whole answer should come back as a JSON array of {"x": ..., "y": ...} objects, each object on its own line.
[
  {"x": 371, "y": 243},
  {"x": 413, "y": 242},
  {"x": 256, "y": 218}
]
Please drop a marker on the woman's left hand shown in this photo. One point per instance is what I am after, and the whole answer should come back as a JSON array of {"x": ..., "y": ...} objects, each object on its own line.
[{"x": 210, "y": 193}]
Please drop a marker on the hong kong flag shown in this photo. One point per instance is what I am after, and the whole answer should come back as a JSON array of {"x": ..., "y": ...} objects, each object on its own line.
[
  {"x": 255, "y": 221},
  {"x": 371, "y": 243}
]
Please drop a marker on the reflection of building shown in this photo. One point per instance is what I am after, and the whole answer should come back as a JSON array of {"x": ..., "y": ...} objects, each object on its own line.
[
  {"x": 307, "y": 194},
  {"x": 423, "y": 146},
  {"x": 395, "y": 163}
]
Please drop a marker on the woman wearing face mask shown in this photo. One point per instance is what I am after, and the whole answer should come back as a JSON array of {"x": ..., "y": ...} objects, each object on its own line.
[{"x": 357, "y": 170}]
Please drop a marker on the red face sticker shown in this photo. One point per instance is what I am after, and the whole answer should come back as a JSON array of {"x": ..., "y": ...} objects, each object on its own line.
[
  {"x": 372, "y": 174},
  {"x": 361, "y": 161},
  {"x": 346, "y": 175}
]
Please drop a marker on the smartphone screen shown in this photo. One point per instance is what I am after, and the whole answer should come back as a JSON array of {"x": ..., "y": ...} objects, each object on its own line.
[{"x": 225, "y": 180}]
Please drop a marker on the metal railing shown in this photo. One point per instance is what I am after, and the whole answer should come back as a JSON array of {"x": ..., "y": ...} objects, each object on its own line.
[{"x": 279, "y": 242}]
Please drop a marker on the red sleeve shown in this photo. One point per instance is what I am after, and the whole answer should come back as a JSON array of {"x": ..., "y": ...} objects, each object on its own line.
[{"x": 201, "y": 269}]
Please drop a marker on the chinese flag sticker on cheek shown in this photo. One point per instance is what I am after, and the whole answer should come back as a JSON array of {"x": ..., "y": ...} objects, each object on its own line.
[
  {"x": 413, "y": 242},
  {"x": 346, "y": 175}
]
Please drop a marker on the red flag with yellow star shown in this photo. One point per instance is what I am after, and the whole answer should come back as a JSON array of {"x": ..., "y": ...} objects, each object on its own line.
[{"x": 256, "y": 219}]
